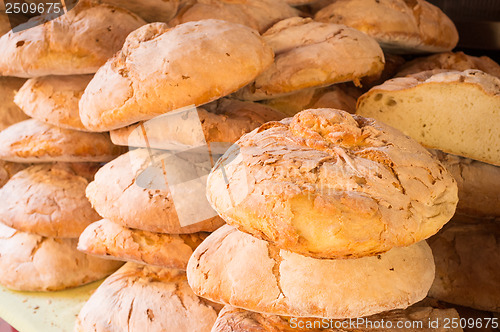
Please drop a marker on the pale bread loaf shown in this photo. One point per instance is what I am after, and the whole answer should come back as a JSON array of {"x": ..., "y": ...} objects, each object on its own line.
[
  {"x": 10, "y": 113},
  {"x": 234, "y": 268},
  {"x": 444, "y": 111},
  {"x": 367, "y": 187},
  {"x": 161, "y": 70},
  {"x": 150, "y": 10}
]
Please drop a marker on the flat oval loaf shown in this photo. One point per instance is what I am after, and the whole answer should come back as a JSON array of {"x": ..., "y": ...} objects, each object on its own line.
[
  {"x": 78, "y": 42},
  {"x": 160, "y": 70},
  {"x": 328, "y": 184},
  {"x": 232, "y": 267}
]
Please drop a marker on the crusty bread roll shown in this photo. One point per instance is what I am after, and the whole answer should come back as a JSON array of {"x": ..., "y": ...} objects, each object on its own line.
[
  {"x": 367, "y": 187},
  {"x": 234, "y": 268},
  {"x": 400, "y": 26},
  {"x": 10, "y": 113},
  {"x": 35, "y": 141},
  {"x": 452, "y": 61},
  {"x": 54, "y": 99},
  {"x": 117, "y": 195},
  {"x": 478, "y": 185},
  {"x": 424, "y": 319},
  {"x": 311, "y": 54},
  {"x": 223, "y": 120},
  {"x": 78, "y": 42},
  {"x": 160, "y": 70},
  {"x": 256, "y": 14},
  {"x": 108, "y": 239},
  {"x": 467, "y": 257},
  {"x": 31, "y": 262},
  {"x": 444, "y": 111},
  {"x": 150, "y": 10},
  {"x": 48, "y": 200},
  {"x": 145, "y": 298}
]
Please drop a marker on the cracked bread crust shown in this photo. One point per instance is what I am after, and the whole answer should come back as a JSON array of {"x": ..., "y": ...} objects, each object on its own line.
[
  {"x": 312, "y": 54},
  {"x": 162, "y": 69},
  {"x": 110, "y": 240},
  {"x": 67, "y": 45},
  {"x": 34, "y": 141},
  {"x": 31, "y": 262},
  {"x": 146, "y": 298},
  {"x": 234, "y": 268},
  {"x": 10, "y": 113},
  {"x": 116, "y": 196},
  {"x": 400, "y": 26},
  {"x": 328, "y": 184},
  {"x": 49, "y": 200}
]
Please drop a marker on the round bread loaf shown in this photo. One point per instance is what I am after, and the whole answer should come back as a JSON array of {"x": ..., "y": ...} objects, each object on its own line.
[
  {"x": 10, "y": 113},
  {"x": 400, "y": 26},
  {"x": 162, "y": 69},
  {"x": 145, "y": 298},
  {"x": 311, "y": 54},
  {"x": 78, "y": 42},
  {"x": 118, "y": 195},
  {"x": 31, "y": 262},
  {"x": 54, "y": 99},
  {"x": 366, "y": 186},
  {"x": 234, "y": 268},
  {"x": 150, "y": 10},
  {"x": 445, "y": 111},
  {"x": 110, "y": 240},
  {"x": 48, "y": 200},
  {"x": 35, "y": 141}
]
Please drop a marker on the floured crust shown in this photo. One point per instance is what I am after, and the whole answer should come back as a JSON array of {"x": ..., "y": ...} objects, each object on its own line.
[
  {"x": 7, "y": 170},
  {"x": 400, "y": 26},
  {"x": 66, "y": 45},
  {"x": 10, "y": 113},
  {"x": 107, "y": 239},
  {"x": 31, "y": 262},
  {"x": 311, "y": 54},
  {"x": 467, "y": 257},
  {"x": 150, "y": 10},
  {"x": 48, "y": 200},
  {"x": 35, "y": 141},
  {"x": 54, "y": 99},
  {"x": 116, "y": 196},
  {"x": 367, "y": 187},
  {"x": 256, "y": 14},
  {"x": 234, "y": 268},
  {"x": 232, "y": 319},
  {"x": 191, "y": 64},
  {"x": 145, "y": 298},
  {"x": 224, "y": 120}
]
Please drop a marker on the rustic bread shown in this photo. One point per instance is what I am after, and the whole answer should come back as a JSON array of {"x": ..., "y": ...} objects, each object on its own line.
[
  {"x": 108, "y": 239},
  {"x": 452, "y": 61},
  {"x": 31, "y": 262},
  {"x": 339, "y": 96},
  {"x": 400, "y": 26},
  {"x": 256, "y": 14},
  {"x": 444, "y": 111},
  {"x": 35, "y": 141},
  {"x": 150, "y": 10},
  {"x": 223, "y": 120},
  {"x": 10, "y": 113},
  {"x": 160, "y": 70},
  {"x": 67, "y": 45},
  {"x": 48, "y": 200},
  {"x": 116, "y": 195},
  {"x": 7, "y": 170},
  {"x": 367, "y": 187},
  {"x": 478, "y": 185},
  {"x": 467, "y": 257},
  {"x": 311, "y": 54},
  {"x": 54, "y": 99},
  {"x": 145, "y": 298},
  {"x": 234, "y": 268},
  {"x": 232, "y": 319}
]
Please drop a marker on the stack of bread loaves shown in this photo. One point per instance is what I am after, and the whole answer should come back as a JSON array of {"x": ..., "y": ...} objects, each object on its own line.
[{"x": 47, "y": 161}]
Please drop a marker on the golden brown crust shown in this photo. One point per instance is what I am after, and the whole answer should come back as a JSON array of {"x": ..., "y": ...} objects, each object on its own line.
[
  {"x": 234, "y": 268},
  {"x": 10, "y": 113},
  {"x": 192, "y": 63},
  {"x": 35, "y": 141},
  {"x": 367, "y": 187},
  {"x": 108, "y": 239},
  {"x": 400, "y": 26}
]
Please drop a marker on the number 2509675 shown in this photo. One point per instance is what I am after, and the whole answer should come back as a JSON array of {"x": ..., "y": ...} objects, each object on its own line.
[{"x": 33, "y": 8}]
